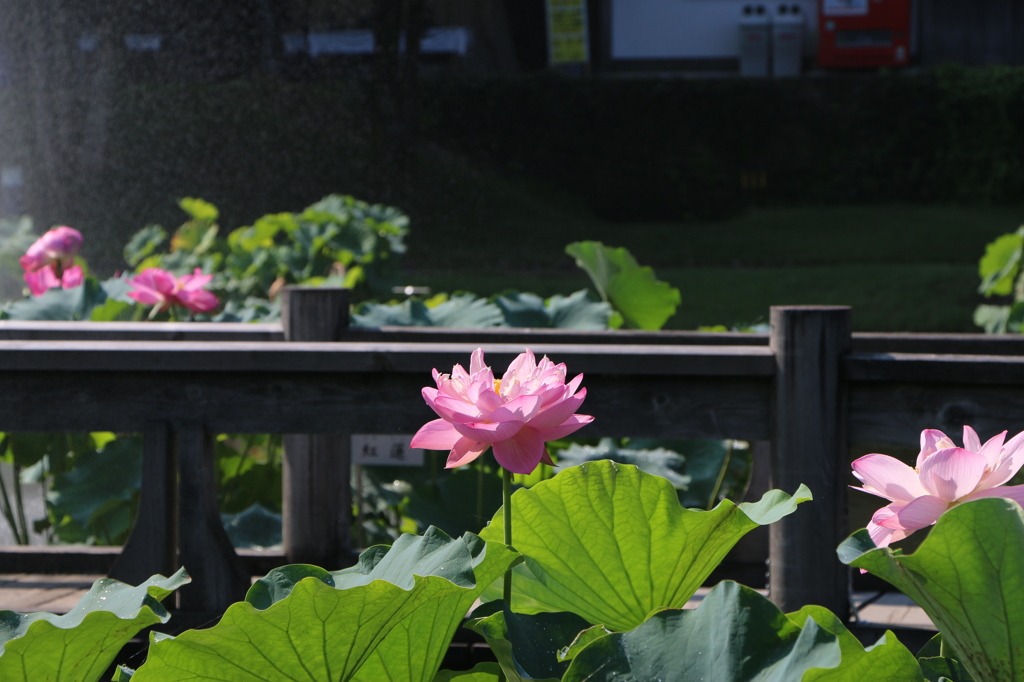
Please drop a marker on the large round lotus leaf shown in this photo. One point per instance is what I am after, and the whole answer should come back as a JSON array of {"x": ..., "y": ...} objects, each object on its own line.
[
  {"x": 79, "y": 646},
  {"x": 643, "y": 301},
  {"x": 312, "y": 630},
  {"x": 413, "y": 650},
  {"x": 527, "y": 645},
  {"x": 612, "y": 543},
  {"x": 481, "y": 672},
  {"x": 967, "y": 576},
  {"x": 887, "y": 659},
  {"x": 735, "y": 635}
]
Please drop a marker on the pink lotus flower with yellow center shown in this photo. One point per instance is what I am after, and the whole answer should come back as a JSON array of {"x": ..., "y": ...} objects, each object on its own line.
[
  {"x": 516, "y": 415},
  {"x": 49, "y": 262},
  {"x": 162, "y": 289},
  {"x": 945, "y": 476}
]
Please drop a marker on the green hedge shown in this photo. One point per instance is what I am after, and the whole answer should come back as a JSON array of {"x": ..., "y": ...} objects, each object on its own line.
[
  {"x": 641, "y": 148},
  {"x": 632, "y": 148}
]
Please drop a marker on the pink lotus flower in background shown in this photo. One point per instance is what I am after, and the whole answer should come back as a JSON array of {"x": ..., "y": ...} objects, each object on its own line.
[
  {"x": 162, "y": 289},
  {"x": 49, "y": 262},
  {"x": 946, "y": 475},
  {"x": 529, "y": 406}
]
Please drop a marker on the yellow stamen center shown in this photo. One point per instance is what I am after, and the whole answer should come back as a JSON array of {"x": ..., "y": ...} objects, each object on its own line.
[{"x": 497, "y": 386}]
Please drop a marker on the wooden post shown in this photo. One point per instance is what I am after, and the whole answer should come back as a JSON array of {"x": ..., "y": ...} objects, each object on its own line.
[
  {"x": 150, "y": 547},
  {"x": 317, "y": 479},
  {"x": 810, "y": 446},
  {"x": 314, "y": 313},
  {"x": 219, "y": 577}
]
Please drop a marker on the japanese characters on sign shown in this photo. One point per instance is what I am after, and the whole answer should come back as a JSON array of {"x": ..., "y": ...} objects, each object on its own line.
[{"x": 385, "y": 450}]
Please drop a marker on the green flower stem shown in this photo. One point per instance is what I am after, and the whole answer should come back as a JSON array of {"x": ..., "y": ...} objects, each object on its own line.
[
  {"x": 20, "y": 506},
  {"x": 721, "y": 477},
  {"x": 506, "y": 515},
  {"x": 8, "y": 512},
  {"x": 506, "y": 501}
]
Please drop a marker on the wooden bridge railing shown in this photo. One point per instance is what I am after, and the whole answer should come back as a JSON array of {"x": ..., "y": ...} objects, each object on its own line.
[{"x": 811, "y": 387}]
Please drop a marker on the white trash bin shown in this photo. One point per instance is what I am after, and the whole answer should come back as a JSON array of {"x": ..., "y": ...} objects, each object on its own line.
[
  {"x": 755, "y": 41},
  {"x": 787, "y": 40}
]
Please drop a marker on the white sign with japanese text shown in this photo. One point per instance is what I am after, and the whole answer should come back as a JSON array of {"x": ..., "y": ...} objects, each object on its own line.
[{"x": 381, "y": 450}]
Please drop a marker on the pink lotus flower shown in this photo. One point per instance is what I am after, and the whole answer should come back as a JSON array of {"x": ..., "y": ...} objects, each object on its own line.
[
  {"x": 49, "y": 262},
  {"x": 529, "y": 406},
  {"x": 945, "y": 476},
  {"x": 162, "y": 289}
]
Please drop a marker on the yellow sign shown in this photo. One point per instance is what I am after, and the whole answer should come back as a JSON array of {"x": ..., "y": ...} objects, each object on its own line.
[{"x": 568, "y": 41}]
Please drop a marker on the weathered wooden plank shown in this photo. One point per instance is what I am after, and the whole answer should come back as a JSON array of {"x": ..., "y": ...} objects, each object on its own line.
[
  {"x": 863, "y": 342},
  {"x": 525, "y": 336},
  {"x": 907, "y": 367},
  {"x": 47, "y": 330},
  {"x": 230, "y": 331},
  {"x": 61, "y": 559},
  {"x": 57, "y": 559},
  {"x": 27, "y": 593},
  {"x": 269, "y": 402},
  {"x": 948, "y": 344},
  {"x": 809, "y": 446},
  {"x": 186, "y": 356},
  {"x": 317, "y": 472},
  {"x": 884, "y": 413}
]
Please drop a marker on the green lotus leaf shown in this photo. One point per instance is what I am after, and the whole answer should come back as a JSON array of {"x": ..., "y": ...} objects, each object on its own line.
[
  {"x": 527, "y": 646},
  {"x": 312, "y": 630},
  {"x": 938, "y": 668},
  {"x": 735, "y": 635},
  {"x": 887, "y": 659},
  {"x": 413, "y": 650},
  {"x": 634, "y": 291},
  {"x": 462, "y": 310},
  {"x": 992, "y": 318},
  {"x": 199, "y": 210},
  {"x": 967, "y": 577},
  {"x": 481, "y": 672},
  {"x": 576, "y": 311},
  {"x": 999, "y": 266},
  {"x": 96, "y": 499},
  {"x": 583, "y": 639},
  {"x": 612, "y": 543},
  {"x": 79, "y": 646},
  {"x": 122, "y": 674},
  {"x": 60, "y": 304},
  {"x": 279, "y": 583}
]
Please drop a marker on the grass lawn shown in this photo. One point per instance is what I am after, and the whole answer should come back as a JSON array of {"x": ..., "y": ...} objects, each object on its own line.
[{"x": 901, "y": 267}]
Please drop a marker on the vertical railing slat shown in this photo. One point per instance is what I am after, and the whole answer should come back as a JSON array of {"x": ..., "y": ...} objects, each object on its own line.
[
  {"x": 150, "y": 547},
  {"x": 204, "y": 549},
  {"x": 317, "y": 480},
  {"x": 810, "y": 446}
]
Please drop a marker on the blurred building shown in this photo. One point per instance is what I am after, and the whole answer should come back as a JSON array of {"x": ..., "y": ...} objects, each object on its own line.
[{"x": 219, "y": 39}]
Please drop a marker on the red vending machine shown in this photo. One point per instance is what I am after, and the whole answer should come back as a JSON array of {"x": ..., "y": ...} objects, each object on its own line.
[{"x": 863, "y": 33}]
